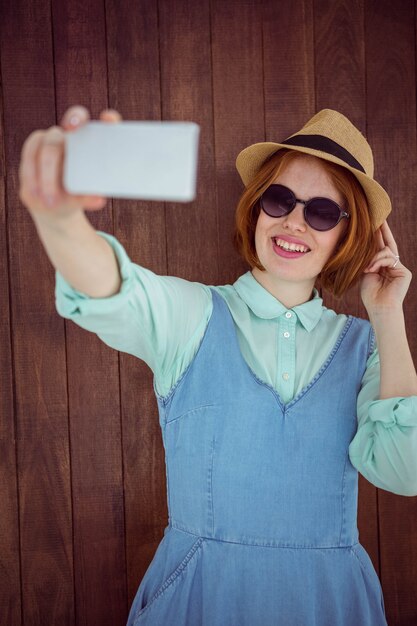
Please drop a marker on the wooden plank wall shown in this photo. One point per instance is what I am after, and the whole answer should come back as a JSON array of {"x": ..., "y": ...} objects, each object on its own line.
[{"x": 82, "y": 481}]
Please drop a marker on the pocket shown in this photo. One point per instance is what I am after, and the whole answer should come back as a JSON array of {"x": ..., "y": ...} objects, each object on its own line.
[
  {"x": 164, "y": 594},
  {"x": 369, "y": 572}
]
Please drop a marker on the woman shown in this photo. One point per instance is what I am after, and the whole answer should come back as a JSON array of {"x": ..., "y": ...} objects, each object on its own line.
[{"x": 269, "y": 402}]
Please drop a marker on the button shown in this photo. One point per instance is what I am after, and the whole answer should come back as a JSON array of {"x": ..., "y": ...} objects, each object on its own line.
[
  {"x": 288, "y": 314},
  {"x": 286, "y": 334},
  {"x": 285, "y": 376}
]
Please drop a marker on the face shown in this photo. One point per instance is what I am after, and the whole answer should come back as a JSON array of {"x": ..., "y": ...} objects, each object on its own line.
[{"x": 307, "y": 178}]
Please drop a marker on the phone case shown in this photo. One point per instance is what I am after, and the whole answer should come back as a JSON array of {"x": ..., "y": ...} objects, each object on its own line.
[{"x": 140, "y": 160}]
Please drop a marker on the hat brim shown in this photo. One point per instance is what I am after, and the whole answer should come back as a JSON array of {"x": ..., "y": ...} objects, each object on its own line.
[{"x": 250, "y": 160}]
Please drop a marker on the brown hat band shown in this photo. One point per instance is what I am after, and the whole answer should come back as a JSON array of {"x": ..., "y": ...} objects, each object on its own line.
[{"x": 319, "y": 142}]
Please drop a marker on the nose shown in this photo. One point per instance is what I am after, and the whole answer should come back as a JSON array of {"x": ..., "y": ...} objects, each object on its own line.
[{"x": 295, "y": 219}]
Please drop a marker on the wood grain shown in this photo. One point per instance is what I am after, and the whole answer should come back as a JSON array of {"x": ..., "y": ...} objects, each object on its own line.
[
  {"x": 238, "y": 105},
  {"x": 82, "y": 469},
  {"x": 10, "y": 583},
  {"x": 37, "y": 338},
  {"x": 391, "y": 130}
]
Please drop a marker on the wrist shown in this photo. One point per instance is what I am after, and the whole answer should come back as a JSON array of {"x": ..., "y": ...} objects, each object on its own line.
[
  {"x": 389, "y": 311},
  {"x": 388, "y": 322},
  {"x": 59, "y": 223}
]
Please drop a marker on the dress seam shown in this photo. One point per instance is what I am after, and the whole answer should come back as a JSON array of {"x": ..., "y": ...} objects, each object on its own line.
[{"x": 182, "y": 528}]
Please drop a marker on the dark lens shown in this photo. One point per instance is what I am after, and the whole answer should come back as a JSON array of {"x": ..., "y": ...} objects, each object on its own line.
[
  {"x": 322, "y": 214},
  {"x": 277, "y": 200}
]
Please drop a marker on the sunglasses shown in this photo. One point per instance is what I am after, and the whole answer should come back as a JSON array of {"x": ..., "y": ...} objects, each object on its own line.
[{"x": 319, "y": 213}]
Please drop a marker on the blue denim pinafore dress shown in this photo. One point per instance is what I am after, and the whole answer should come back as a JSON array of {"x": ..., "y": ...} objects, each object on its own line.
[{"x": 262, "y": 496}]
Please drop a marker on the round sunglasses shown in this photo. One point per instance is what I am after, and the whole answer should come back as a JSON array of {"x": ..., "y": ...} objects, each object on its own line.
[{"x": 319, "y": 213}]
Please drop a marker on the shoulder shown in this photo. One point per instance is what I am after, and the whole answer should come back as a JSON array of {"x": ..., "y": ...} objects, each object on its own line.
[
  {"x": 332, "y": 322},
  {"x": 360, "y": 329},
  {"x": 357, "y": 324},
  {"x": 237, "y": 307},
  {"x": 329, "y": 316}
]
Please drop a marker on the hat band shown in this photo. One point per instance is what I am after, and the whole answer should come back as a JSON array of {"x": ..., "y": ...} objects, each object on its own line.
[{"x": 319, "y": 142}]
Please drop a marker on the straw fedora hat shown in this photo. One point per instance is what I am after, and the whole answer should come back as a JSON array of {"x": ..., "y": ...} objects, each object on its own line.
[{"x": 330, "y": 136}]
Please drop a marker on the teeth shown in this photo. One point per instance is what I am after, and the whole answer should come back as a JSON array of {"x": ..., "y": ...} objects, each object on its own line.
[{"x": 290, "y": 246}]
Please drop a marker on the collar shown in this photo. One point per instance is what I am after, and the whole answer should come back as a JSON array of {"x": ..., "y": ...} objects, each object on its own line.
[{"x": 266, "y": 306}]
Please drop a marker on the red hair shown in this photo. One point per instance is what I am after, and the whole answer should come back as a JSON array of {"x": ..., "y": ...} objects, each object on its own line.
[{"x": 357, "y": 246}]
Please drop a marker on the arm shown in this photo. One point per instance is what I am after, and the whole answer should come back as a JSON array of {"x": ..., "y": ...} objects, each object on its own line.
[
  {"x": 384, "y": 448},
  {"x": 70, "y": 241},
  {"x": 398, "y": 374},
  {"x": 77, "y": 252},
  {"x": 384, "y": 286},
  {"x": 158, "y": 319}
]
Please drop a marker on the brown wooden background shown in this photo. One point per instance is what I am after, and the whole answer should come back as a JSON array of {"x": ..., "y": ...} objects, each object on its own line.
[{"x": 82, "y": 482}]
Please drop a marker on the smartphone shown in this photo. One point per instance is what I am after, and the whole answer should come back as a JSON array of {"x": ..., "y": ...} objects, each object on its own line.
[{"x": 140, "y": 160}]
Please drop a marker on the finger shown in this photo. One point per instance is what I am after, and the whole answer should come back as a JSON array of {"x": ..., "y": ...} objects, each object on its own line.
[
  {"x": 387, "y": 261},
  {"x": 92, "y": 203},
  {"x": 380, "y": 239},
  {"x": 74, "y": 117},
  {"x": 50, "y": 154},
  {"x": 27, "y": 170},
  {"x": 389, "y": 237},
  {"x": 382, "y": 254},
  {"x": 386, "y": 265},
  {"x": 110, "y": 115}
]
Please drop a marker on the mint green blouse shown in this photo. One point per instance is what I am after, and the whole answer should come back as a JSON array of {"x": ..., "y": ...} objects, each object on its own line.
[{"x": 161, "y": 320}]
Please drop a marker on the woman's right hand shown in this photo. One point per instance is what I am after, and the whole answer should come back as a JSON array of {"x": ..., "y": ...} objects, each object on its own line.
[{"x": 41, "y": 168}]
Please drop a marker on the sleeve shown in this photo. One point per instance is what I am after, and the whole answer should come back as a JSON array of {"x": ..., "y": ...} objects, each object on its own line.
[
  {"x": 158, "y": 319},
  {"x": 384, "y": 449}
]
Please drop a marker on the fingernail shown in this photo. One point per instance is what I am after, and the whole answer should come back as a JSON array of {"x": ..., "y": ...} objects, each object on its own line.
[{"x": 74, "y": 120}]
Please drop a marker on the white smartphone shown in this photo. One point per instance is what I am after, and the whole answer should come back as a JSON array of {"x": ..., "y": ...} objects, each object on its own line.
[{"x": 141, "y": 160}]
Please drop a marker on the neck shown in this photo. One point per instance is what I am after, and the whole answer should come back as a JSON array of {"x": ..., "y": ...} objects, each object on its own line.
[{"x": 290, "y": 294}]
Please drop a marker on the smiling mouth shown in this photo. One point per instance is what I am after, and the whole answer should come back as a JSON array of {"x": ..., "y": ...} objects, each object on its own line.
[{"x": 290, "y": 247}]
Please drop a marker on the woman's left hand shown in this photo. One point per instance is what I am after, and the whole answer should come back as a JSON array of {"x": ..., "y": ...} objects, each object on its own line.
[{"x": 384, "y": 287}]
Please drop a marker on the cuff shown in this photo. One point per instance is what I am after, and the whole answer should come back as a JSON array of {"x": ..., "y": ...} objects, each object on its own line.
[
  {"x": 70, "y": 302},
  {"x": 392, "y": 411}
]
